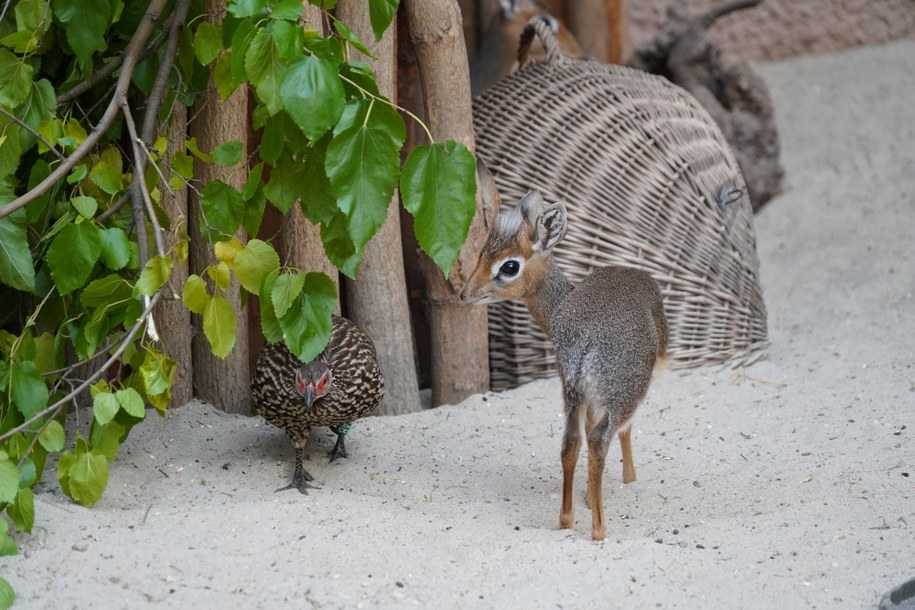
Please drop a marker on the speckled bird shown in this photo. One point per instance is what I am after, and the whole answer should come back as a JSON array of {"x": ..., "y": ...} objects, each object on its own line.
[{"x": 342, "y": 384}]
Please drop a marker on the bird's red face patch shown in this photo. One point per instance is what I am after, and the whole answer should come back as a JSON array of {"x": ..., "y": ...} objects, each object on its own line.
[{"x": 322, "y": 385}]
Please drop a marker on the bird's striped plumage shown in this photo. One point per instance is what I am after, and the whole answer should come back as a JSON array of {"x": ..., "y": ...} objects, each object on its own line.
[{"x": 356, "y": 389}]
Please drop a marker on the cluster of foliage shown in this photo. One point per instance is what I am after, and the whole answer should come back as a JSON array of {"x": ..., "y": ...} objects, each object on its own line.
[{"x": 86, "y": 249}]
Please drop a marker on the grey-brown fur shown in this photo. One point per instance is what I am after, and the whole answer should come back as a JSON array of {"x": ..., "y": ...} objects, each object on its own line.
[
  {"x": 609, "y": 332},
  {"x": 356, "y": 389}
]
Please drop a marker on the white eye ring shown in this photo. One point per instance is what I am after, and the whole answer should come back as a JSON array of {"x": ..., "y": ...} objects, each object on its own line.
[{"x": 499, "y": 271}]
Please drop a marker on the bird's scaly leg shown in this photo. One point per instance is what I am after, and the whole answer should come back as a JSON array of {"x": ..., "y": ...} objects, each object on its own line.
[
  {"x": 339, "y": 449},
  {"x": 301, "y": 477}
]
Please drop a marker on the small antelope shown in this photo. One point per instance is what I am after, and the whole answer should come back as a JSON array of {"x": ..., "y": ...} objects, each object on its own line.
[{"x": 609, "y": 333}]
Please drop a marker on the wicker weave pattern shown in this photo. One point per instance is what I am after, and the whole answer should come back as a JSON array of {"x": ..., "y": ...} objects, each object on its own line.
[{"x": 646, "y": 175}]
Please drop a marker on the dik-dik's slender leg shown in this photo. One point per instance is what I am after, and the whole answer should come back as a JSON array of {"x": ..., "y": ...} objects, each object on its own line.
[
  {"x": 598, "y": 442},
  {"x": 571, "y": 443},
  {"x": 626, "y": 449}
]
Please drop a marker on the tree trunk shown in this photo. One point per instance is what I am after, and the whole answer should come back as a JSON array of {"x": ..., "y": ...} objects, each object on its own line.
[
  {"x": 378, "y": 295},
  {"x": 172, "y": 317},
  {"x": 600, "y": 28},
  {"x": 222, "y": 383},
  {"x": 460, "y": 359}
]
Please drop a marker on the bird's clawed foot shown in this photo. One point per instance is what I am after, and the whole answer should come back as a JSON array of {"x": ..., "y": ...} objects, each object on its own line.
[
  {"x": 339, "y": 449},
  {"x": 301, "y": 480}
]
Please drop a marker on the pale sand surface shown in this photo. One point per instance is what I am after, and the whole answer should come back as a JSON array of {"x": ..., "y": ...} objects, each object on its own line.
[{"x": 788, "y": 484}]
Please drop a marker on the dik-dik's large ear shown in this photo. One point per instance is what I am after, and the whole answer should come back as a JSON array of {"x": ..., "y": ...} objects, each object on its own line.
[
  {"x": 530, "y": 207},
  {"x": 551, "y": 227}
]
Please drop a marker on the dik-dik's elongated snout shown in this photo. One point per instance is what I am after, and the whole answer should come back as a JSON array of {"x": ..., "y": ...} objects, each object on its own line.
[{"x": 475, "y": 293}]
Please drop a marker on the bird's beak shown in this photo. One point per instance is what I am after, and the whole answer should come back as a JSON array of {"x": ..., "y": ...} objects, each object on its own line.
[{"x": 309, "y": 396}]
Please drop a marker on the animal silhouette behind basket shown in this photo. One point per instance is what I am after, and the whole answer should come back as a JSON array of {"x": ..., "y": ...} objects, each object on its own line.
[{"x": 649, "y": 181}]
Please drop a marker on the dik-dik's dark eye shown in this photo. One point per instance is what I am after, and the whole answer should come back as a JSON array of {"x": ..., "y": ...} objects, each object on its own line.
[{"x": 510, "y": 268}]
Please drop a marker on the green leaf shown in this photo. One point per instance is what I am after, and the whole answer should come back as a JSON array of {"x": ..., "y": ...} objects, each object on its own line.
[
  {"x": 37, "y": 108},
  {"x": 9, "y": 479},
  {"x": 157, "y": 271},
  {"x": 106, "y": 439},
  {"x": 52, "y": 438},
  {"x": 339, "y": 246},
  {"x": 274, "y": 138},
  {"x": 362, "y": 164},
  {"x": 377, "y": 115},
  {"x": 270, "y": 326},
  {"x": 28, "y": 389},
  {"x": 10, "y": 146},
  {"x": 22, "y": 510},
  {"x": 346, "y": 34},
  {"x": 308, "y": 323},
  {"x": 157, "y": 372},
  {"x": 195, "y": 295},
  {"x": 7, "y": 595},
  {"x": 16, "y": 267},
  {"x": 88, "y": 477},
  {"x": 253, "y": 263},
  {"x": 285, "y": 291},
  {"x": 228, "y": 154},
  {"x": 132, "y": 403},
  {"x": 65, "y": 461},
  {"x": 105, "y": 406},
  {"x": 207, "y": 42},
  {"x": 247, "y": 8},
  {"x": 115, "y": 248},
  {"x": 264, "y": 68},
  {"x": 317, "y": 197},
  {"x": 28, "y": 473},
  {"x": 287, "y": 182},
  {"x": 86, "y": 22},
  {"x": 86, "y": 206},
  {"x": 288, "y": 37},
  {"x": 192, "y": 146},
  {"x": 73, "y": 254},
  {"x": 219, "y": 325},
  {"x": 290, "y": 10},
  {"x": 381, "y": 13},
  {"x": 226, "y": 250},
  {"x": 15, "y": 79},
  {"x": 221, "y": 274},
  {"x": 223, "y": 77},
  {"x": 106, "y": 173},
  {"x": 106, "y": 291},
  {"x": 223, "y": 207},
  {"x": 439, "y": 189},
  {"x": 253, "y": 182},
  {"x": 313, "y": 95},
  {"x": 241, "y": 40}
]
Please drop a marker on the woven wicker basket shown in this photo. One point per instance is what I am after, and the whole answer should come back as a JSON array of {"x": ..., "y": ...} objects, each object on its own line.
[{"x": 649, "y": 181}]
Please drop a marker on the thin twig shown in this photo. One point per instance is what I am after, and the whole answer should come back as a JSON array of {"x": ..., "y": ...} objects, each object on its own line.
[
  {"x": 113, "y": 209},
  {"x": 37, "y": 135},
  {"x": 131, "y": 55},
  {"x": 92, "y": 378}
]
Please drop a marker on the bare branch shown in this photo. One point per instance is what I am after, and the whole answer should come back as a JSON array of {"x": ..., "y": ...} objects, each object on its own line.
[{"x": 131, "y": 55}]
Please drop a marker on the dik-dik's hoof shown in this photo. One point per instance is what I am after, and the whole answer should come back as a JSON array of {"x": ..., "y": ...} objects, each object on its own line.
[
  {"x": 599, "y": 533},
  {"x": 566, "y": 521}
]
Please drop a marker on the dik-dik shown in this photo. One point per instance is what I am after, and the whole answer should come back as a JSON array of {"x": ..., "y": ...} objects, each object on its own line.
[{"x": 609, "y": 332}]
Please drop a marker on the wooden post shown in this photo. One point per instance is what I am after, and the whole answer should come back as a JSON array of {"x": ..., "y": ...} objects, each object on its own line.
[
  {"x": 600, "y": 28},
  {"x": 460, "y": 358},
  {"x": 378, "y": 295},
  {"x": 224, "y": 383},
  {"x": 172, "y": 317}
]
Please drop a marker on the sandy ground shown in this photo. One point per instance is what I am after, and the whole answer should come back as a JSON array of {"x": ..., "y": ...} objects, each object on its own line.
[{"x": 788, "y": 484}]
